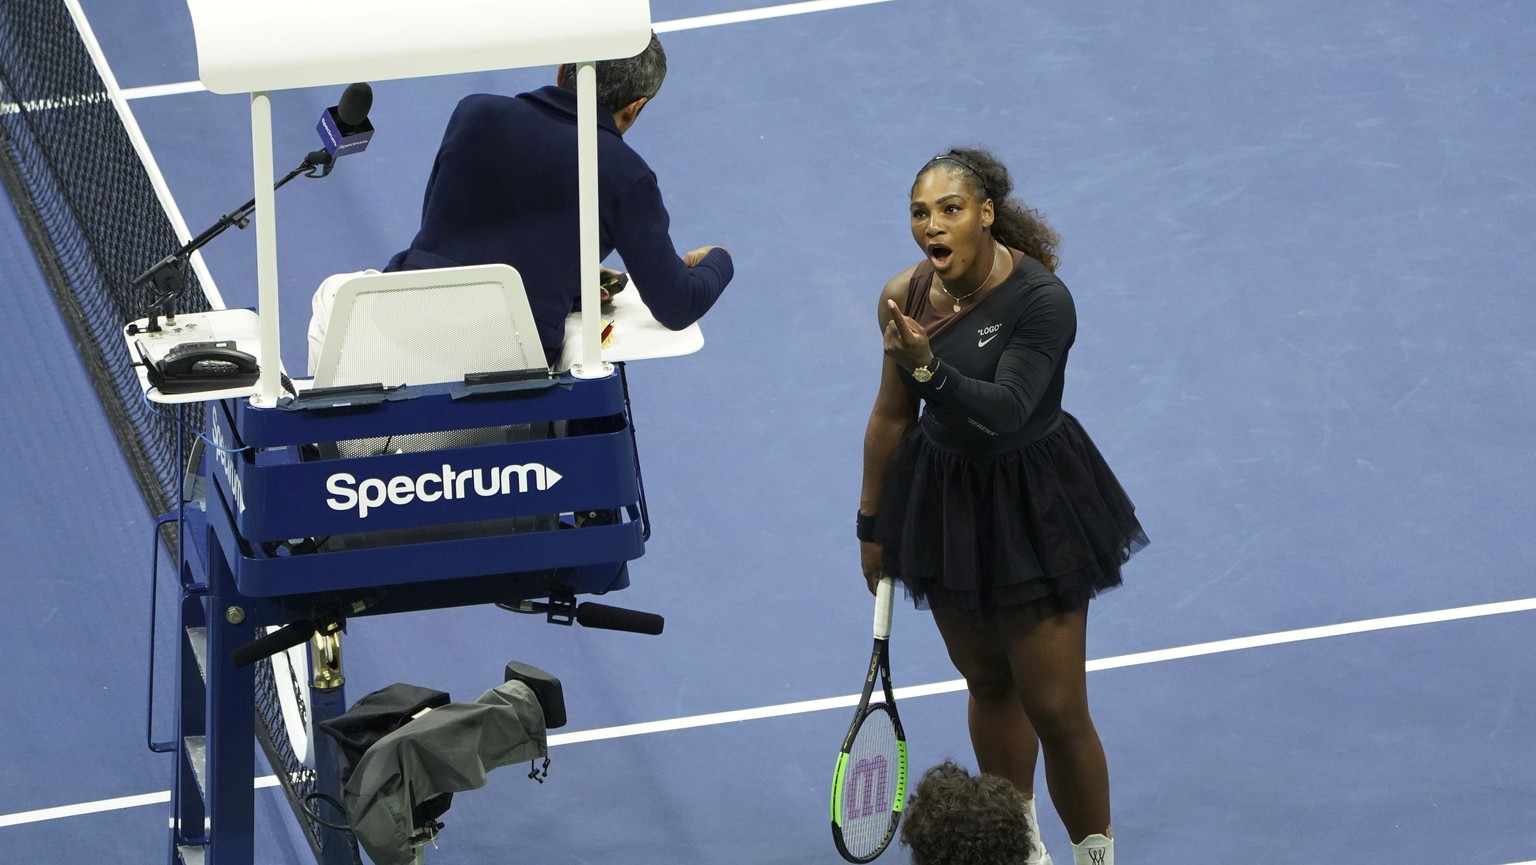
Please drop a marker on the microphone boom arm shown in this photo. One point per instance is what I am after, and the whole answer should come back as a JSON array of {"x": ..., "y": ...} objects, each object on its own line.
[{"x": 169, "y": 276}]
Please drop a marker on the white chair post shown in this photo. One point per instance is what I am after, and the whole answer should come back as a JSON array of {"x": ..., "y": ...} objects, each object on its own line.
[
  {"x": 270, "y": 383},
  {"x": 590, "y": 363}
]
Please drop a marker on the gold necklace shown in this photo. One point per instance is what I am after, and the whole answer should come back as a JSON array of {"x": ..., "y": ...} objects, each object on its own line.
[{"x": 996, "y": 257}]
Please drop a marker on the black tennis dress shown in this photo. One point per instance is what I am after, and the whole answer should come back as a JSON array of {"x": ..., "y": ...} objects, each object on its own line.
[{"x": 997, "y": 499}]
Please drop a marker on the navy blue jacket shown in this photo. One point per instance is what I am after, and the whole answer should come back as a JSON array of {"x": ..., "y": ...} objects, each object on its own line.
[{"x": 503, "y": 190}]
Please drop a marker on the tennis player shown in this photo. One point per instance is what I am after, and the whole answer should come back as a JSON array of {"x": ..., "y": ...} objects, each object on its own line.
[{"x": 993, "y": 507}]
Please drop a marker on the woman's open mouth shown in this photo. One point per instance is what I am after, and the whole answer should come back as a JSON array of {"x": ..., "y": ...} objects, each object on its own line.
[{"x": 940, "y": 255}]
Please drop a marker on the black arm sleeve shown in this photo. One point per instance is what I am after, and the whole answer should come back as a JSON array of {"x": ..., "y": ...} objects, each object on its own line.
[{"x": 1029, "y": 363}]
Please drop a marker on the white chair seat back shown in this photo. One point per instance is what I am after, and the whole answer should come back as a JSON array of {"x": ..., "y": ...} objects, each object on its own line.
[
  {"x": 425, "y": 327},
  {"x": 428, "y": 326}
]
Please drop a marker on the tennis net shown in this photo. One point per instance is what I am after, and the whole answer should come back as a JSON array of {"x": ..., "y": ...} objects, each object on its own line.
[
  {"x": 90, "y": 210},
  {"x": 89, "y": 207}
]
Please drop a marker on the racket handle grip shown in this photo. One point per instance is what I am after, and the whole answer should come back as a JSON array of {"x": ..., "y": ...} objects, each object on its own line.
[{"x": 884, "y": 599}]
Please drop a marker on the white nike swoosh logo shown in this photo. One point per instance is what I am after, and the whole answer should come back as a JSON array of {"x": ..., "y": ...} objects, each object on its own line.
[{"x": 982, "y": 342}]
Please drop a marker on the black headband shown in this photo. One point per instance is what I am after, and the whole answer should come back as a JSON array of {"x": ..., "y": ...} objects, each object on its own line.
[{"x": 968, "y": 167}]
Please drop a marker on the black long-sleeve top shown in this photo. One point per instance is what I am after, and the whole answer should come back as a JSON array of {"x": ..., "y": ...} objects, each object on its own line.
[{"x": 1001, "y": 362}]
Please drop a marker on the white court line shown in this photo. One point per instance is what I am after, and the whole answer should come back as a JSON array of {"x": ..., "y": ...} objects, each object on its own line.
[
  {"x": 50, "y": 104},
  {"x": 163, "y": 90},
  {"x": 85, "y": 808},
  {"x": 761, "y": 13},
  {"x": 136, "y": 136},
  {"x": 1133, "y": 660},
  {"x": 909, "y": 692}
]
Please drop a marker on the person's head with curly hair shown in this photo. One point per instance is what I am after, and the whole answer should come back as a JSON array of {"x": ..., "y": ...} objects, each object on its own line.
[{"x": 956, "y": 818}]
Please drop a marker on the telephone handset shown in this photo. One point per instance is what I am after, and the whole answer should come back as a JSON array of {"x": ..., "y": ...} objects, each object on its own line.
[{"x": 199, "y": 366}]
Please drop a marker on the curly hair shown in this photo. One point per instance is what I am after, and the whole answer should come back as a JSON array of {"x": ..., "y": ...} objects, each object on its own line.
[
  {"x": 956, "y": 818},
  {"x": 1015, "y": 224}
]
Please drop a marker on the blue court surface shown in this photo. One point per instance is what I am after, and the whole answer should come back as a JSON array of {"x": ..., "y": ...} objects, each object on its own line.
[{"x": 1299, "y": 238}]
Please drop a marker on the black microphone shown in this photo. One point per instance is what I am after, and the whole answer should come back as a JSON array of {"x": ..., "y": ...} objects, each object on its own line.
[
  {"x": 592, "y": 615},
  {"x": 343, "y": 128},
  {"x": 353, "y": 108}
]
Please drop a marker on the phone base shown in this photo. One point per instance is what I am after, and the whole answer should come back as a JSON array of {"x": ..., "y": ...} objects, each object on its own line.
[{"x": 207, "y": 378}]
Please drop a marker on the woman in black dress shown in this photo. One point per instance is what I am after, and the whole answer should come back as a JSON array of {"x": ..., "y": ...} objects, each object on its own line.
[{"x": 994, "y": 508}]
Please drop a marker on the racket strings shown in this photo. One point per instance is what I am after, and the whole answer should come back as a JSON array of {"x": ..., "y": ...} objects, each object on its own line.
[{"x": 871, "y": 784}]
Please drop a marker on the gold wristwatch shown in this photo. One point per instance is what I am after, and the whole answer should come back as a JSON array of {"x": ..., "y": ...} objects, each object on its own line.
[{"x": 926, "y": 371}]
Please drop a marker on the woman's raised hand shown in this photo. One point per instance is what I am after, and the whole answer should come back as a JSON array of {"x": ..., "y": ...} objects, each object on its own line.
[{"x": 906, "y": 342}]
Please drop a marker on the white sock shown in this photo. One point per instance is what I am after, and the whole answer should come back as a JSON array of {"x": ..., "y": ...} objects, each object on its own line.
[
  {"x": 1094, "y": 850},
  {"x": 1037, "y": 852}
]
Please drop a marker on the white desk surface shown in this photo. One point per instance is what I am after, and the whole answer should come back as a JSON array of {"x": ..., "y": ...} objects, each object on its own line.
[
  {"x": 637, "y": 335},
  {"x": 240, "y": 325}
]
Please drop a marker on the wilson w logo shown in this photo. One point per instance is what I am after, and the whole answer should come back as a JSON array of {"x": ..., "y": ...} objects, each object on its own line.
[
  {"x": 865, "y": 793},
  {"x": 1096, "y": 856}
]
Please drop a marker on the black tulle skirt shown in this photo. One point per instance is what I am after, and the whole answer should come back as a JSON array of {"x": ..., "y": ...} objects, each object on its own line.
[{"x": 1036, "y": 531}]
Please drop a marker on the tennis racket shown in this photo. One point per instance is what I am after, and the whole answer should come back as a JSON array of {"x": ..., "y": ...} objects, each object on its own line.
[{"x": 869, "y": 787}]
